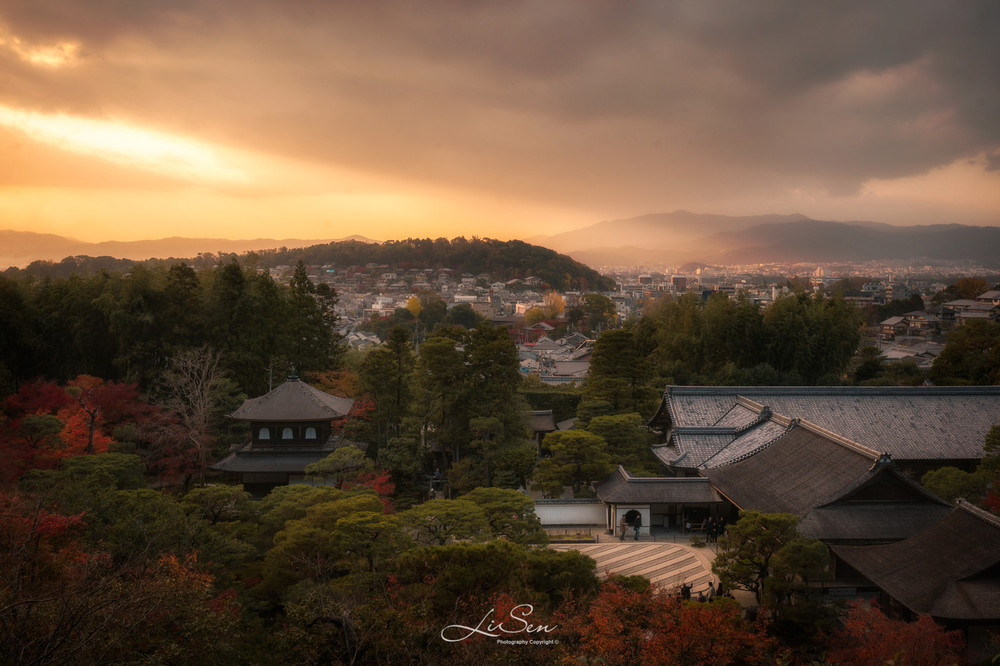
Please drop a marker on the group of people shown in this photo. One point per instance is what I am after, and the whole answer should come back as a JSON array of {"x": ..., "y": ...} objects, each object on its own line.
[
  {"x": 713, "y": 528},
  {"x": 625, "y": 523}
]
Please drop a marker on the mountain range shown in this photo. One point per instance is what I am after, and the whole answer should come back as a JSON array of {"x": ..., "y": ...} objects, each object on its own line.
[
  {"x": 660, "y": 239},
  {"x": 679, "y": 237}
]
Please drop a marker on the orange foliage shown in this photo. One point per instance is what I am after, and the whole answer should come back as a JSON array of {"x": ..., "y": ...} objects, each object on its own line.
[{"x": 871, "y": 637}]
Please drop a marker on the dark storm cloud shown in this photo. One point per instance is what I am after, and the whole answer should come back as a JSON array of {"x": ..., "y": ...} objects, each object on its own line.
[{"x": 600, "y": 103}]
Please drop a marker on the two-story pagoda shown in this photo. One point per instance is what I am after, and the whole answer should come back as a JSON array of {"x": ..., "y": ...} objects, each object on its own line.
[{"x": 290, "y": 427}]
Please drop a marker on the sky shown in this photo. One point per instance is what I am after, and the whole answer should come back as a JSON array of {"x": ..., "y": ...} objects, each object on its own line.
[{"x": 320, "y": 119}]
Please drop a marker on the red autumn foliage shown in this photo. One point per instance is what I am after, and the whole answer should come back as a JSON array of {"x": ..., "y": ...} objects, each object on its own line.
[
  {"x": 88, "y": 410},
  {"x": 622, "y": 626},
  {"x": 871, "y": 637}
]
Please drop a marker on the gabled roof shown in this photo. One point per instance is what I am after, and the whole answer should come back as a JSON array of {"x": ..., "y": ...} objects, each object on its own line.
[
  {"x": 910, "y": 423},
  {"x": 293, "y": 400},
  {"x": 622, "y": 488},
  {"x": 840, "y": 489},
  {"x": 800, "y": 470},
  {"x": 950, "y": 570}
]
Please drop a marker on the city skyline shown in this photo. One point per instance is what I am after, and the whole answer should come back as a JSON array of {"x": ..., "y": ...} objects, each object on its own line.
[{"x": 210, "y": 118}]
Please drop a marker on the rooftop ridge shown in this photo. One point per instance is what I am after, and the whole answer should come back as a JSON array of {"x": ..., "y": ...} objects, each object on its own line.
[
  {"x": 780, "y": 420},
  {"x": 705, "y": 430},
  {"x": 832, "y": 390},
  {"x": 839, "y": 439},
  {"x": 982, "y": 514}
]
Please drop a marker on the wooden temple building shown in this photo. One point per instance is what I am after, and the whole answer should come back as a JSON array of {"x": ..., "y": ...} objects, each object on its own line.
[{"x": 290, "y": 427}]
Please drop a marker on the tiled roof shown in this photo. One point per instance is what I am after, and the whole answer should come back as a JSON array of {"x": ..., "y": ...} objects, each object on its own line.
[
  {"x": 293, "y": 401},
  {"x": 910, "y": 423},
  {"x": 543, "y": 421},
  {"x": 798, "y": 471},
  {"x": 950, "y": 570},
  {"x": 622, "y": 488},
  {"x": 747, "y": 443},
  {"x": 883, "y": 521},
  {"x": 270, "y": 461}
]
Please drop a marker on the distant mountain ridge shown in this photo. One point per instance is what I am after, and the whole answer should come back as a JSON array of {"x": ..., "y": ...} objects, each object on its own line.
[
  {"x": 20, "y": 248},
  {"x": 682, "y": 236}
]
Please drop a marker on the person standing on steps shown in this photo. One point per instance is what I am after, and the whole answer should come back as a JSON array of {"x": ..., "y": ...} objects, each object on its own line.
[
  {"x": 622, "y": 526},
  {"x": 637, "y": 524}
]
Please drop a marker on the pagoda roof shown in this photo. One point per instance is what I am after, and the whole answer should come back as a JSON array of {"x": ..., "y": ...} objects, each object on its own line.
[{"x": 293, "y": 400}]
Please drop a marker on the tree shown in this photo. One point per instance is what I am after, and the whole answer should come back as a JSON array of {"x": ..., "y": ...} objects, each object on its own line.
[
  {"x": 645, "y": 626},
  {"x": 577, "y": 458},
  {"x": 971, "y": 356},
  {"x": 755, "y": 545},
  {"x": 196, "y": 390},
  {"x": 442, "y": 520},
  {"x": 618, "y": 373},
  {"x": 386, "y": 375},
  {"x": 628, "y": 441},
  {"x": 599, "y": 310},
  {"x": 509, "y": 513},
  {"x": 870, "y": 637},
  {"x": 346, "y": 466}
]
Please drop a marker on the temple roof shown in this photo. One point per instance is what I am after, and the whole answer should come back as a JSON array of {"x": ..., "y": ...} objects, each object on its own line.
[
  {"x": 910, "y": 423},
  {"x": 950, "y": 570},
  {"x": 293, "y": 401},
  {"x": 622, "y": 488}
]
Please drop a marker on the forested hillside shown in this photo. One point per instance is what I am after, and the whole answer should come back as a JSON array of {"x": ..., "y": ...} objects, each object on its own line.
[{"x": 501, "y": 260}]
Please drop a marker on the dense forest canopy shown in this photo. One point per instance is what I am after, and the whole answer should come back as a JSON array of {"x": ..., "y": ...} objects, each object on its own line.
[{"x": 502, "y": 260}]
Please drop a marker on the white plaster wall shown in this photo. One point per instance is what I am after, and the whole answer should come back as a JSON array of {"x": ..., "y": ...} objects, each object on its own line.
[{"x": 571, "y": 514}]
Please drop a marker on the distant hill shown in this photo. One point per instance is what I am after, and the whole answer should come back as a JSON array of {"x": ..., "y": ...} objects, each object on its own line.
[
  {"x": 20, "y": 248},
  {"x": 682, "y": 236},
  {"x": 501, "y": 260}
]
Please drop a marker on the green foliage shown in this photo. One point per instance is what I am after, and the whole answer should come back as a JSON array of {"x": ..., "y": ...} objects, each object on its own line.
[
  {"x": 577, "y": 458},
  {"x": 470, "y": 408},
  {"x": 123, "y": 326},
  {"x": 80, "y": 480},
  {"x": 440, "y": 521},
  {"x": 760, "y": 546},
  {"x": 509, "y": 513},
  {"x": 386, "y": 375},
  {"x": 619, "y": 375},
  {"x": 628, "y": 442},
  {"x": 563, "y": 402},
  {"x": 345, "y": 465},
  {"x": 971, "y": 356},
  {"x": 798, "y": 339},
  {"x": 951, "y": 484}
]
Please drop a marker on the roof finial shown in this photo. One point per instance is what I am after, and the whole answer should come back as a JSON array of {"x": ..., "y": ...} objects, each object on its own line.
[{"x": 292, "y": 377}]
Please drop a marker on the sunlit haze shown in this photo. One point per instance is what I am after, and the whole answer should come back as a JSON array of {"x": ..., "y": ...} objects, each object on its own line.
[{"x": 216, "y": 118}]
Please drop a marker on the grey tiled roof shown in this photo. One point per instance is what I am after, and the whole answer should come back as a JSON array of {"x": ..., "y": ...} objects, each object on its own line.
[
  {"x": 269, "y": 461},
  {"x": 738, "y": 415},
  {"x": 747, "y": 443},
  {"x": 293, "y": 400},
  {"x": 622, "y": 488},
  {"x": 910, "y": 423}
]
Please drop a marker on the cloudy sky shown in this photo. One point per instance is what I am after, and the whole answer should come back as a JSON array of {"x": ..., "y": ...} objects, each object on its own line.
[{"x": 128, "y": 119}]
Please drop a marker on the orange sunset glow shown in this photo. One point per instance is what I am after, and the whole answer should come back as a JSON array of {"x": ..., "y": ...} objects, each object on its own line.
[{"x": 214, "y": 118}]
